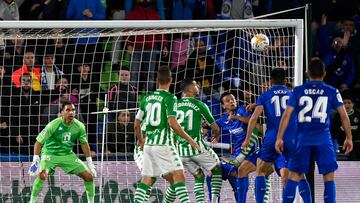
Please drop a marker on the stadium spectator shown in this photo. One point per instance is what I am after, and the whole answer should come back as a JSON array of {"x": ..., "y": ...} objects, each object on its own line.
[
  {"x": 115, "y": 10},
  {"x": 14, "y": 51},
  {"x": 5, "y": 84},
  {"x": 179, "y": 56},
  {"x": 201, "y": 67},
  {"x": 85, "y": 10},
  {"x": 53, "y": 110},
  {"x": 28, "y": 67},
  {"x": 124, "y": 94},
  {"x": 49, "y": 9},
  {"x": 120, "y": 136},
  {"x": 62, "y": 86},
  {"x": 182, "y": 10},
  {"x": 342, "y": 76},
  {"x": 85, "y": 87},
  {"x": 338, "y": 132},
  {"x": 147, "y": 3},
  {"x": 25, "y": 109},
  {"x": 9, "y": 10},
  {"x": 50, "y": 73},
  {"x": 144, "y": 48}
]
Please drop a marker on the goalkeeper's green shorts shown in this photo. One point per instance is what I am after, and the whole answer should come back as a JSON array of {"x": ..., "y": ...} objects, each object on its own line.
[{"x": 71, "y": 164}]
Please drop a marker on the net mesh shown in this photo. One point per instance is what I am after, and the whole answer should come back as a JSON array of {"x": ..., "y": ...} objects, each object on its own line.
[{"x": 84, "y": 65}]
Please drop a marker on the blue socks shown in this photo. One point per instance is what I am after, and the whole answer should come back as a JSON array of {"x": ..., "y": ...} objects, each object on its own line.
[
  {"x": 304, "y": 190},
  {"x": 289, "y": 191},
  {"x": 242, "y": 188},
  {"x": 330, "y": 192},
  {"x": 260, "y": 188}
]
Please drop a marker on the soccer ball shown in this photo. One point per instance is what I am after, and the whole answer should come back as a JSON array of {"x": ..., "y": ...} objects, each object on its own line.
[{"x": 259, "y": 42}]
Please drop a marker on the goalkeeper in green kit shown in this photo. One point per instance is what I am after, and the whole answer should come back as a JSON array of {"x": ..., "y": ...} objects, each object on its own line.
[{"x": 58, "y": 139}]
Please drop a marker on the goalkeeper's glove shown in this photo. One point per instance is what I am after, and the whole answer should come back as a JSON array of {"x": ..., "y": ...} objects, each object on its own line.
[
  {"x": 34, "y": 169},
  {"x": 91, "y": 166}
]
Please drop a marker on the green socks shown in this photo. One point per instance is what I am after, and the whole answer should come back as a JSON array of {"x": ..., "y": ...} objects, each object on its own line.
[
  {"x": 140, "y": 193},
  {"x": 181, "y": 192},
  {"x": 170, "y": 194},
  {"x": 216, "y": 183},
  {"x": 90, "y": 191},
  {"x": 199, "y": 189},
  {"x": 36, "y": 189}
]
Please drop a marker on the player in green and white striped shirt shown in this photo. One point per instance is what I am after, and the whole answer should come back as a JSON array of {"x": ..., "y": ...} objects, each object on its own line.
[
  {"x": 156, "y": 117},
  {"x": 191, "y": 113}
]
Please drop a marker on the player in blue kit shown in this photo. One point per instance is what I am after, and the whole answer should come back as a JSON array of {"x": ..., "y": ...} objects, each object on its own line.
[
  {"x": 235, "y": 121},
  {"x": 312, "y": 103},
  {"x": 273, "y": 103}
]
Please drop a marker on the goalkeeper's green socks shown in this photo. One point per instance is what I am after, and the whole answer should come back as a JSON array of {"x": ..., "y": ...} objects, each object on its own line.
[
  {"x": 90, "y": 191},
  {"x": 36, "y": 189}
]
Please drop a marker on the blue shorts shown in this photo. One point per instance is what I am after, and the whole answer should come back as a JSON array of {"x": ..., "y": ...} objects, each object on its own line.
[
  {"x": 227, "y": 169},
  {"x": 253, "y": 156},
  {"x": 268, "y": 152},
  {"x": 279, "y": 164},
  {"x": 324, "y": 156}
]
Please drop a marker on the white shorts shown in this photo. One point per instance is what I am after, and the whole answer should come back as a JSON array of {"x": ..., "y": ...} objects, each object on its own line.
[
  {"x": 160, "y": 160},
  {"x": 206, "y": 160},
  {"x": 139, "y": 157}
]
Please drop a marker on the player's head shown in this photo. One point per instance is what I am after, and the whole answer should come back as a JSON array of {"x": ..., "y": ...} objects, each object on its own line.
[
  {"x": 26, "y": 82},
  {"x": 190, "y": 87},
  {"x": 348, "y": 101},
  {"x": 277, "y": 76},
  {"x": 316, "y": 69},
  {"x": 124, "y": 117},
  {"x": 164, "y": 76},
  {"x": 68, "y": 111},
  {"x": 228, "y": 101}
]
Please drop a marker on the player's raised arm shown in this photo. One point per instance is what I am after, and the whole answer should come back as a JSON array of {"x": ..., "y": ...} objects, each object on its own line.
[
  {"x": 282, "y": 127},
  {"x": 251, "y": 125},
  {"x": 178, "y": 130},
  {"x": 345, "y": 121}
]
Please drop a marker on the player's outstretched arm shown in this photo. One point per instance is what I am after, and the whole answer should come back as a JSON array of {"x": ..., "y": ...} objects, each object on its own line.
[
  {"x": 138, "y": 134},
  {"x": 279, "y": 145},
  {"x": 86, "y": 149},
  {"x": 251, "y": 125},
  {"x": 178, "y": 130},
  {"x": 34, "y": 169},
  {"x": 215, "y": 133},
  {"x": 345, "y": 121}
]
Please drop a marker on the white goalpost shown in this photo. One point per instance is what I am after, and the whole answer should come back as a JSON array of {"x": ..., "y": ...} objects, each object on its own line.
[{"x": 112, "y": 64}]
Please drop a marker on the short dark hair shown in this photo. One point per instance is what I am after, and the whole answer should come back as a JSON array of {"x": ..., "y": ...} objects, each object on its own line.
[
  {"x": 25, "y": 74},
  {"x": 65, "y": 103},
  {"x": 164, "y": 75},
  {"x": 347, "y": 95},
  {"x": 316, "y": 68},
  {"x": 277, "y": 76},
  {"x": 224, "y": 95},
  {"x": 185, "y": 83}
]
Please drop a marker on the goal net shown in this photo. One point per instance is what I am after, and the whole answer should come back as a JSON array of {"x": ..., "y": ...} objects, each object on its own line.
[{"x": 113, "y": 64}]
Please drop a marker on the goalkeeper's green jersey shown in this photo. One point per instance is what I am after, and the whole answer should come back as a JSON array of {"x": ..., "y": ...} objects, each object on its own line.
[
  {"x": 190, "y": 114},
  {"x": 154, "y": 111},
  {"x": 59, "y": 139}
]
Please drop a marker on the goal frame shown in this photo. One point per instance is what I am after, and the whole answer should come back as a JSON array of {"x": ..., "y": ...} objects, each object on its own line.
[
  {"x": 297, "y": 23},
  {"x": 177, "y": 24}
]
